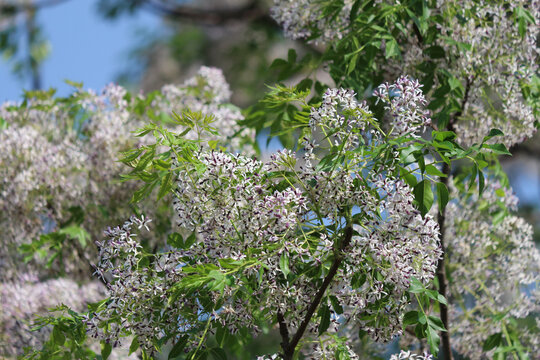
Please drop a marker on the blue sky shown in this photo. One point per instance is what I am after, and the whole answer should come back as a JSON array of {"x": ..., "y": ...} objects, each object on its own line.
[{"x": 85, "y": 47}]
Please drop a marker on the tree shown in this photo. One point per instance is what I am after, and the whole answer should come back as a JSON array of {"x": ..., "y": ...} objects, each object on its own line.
[{"x": 361, "y": 228}]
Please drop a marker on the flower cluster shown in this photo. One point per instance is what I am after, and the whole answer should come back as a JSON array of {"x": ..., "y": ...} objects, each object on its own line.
[
  {"x": 407, "y": 355},
  {"x": 58, "y": 159},
  {"x": 132, "y": 289},
  {"x": 398, "y": 245},
  {"x": 490, "y": 55},
  {"x": 405, "y": 103},
  {"x": 304, "y": 19},
  {"x": 493, "y": 261},
  {"x": 257, "y": 232},
  {"x": 340, "y": 119},
  {"x": 500, "y": 61}
]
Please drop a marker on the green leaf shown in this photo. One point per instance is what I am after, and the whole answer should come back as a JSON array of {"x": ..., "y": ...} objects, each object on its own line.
[
  {"x": 190, "y": 241},
  {"x": 305, "y": 85},
  {"x": 175, "y": 240},
  {"x": 422, "y": 319},
  {"x": 492, "y": 341},
  {"x": 76, "y": 232},
  {"x": 499, "y": 149},
  {"x": 410, "y": 318},
  {"x": 416, "y": 287},
  {"x": 106, "y": 349},
  {"x": 354, "y": 10},
  {"x": 165, "y": 186},
  {"x": 218, "y": 353},
  {"x": 219, "y": 282},
  {"x": 454, "y": 83},
  {"x": 493, "y": 133},
  {"x": 432, "y": 170},
  {"x": 392, "y": 48},
  {"x": 134, "y": 345},
  {"x": 284, "y": 264},
  {"x": 423, "y": 196},
  {"x": 432, "y": 294},
  {"x": 144, "y": 262},
  {"x": 435, "y": 52},
  {"x": 443, "y": 135},
  {"x": 442, "y": 196},
  {"x": 178, "y": 347},
  {"x": 481, "y": 182},
  {"x": 336, "y": 305},
  {"x": 436, "y": 323},
  {"x": 442, "y": 299},
  {"x": 57, "y": 336},
  {"x": 291, "y": 56},
  {"x": 324, "y": 313},
  {"x": 221, "y": 335},
  {"x": 433, "y": 340}
]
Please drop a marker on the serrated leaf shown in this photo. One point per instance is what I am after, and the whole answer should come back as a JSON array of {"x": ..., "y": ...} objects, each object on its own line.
[
  {"x": 410, "y": 318},
  {"x": 492, "y": 341},
  {"x": 106, "y": 350},
  {"x": 442, "y": 299},
  {"x": 165, "y": 186},
  {"x": 433, "y": 340},
  {"x": 284, "y": 264},
  {"x": 392, "y": 48},
  {"x": 324, "y": 313},
  {"x": 423, "y": 196},
  {"x": 58, "y": 336},
  {"x": 436, "y": 323},
  {"x": 432, "y": 170},
  {"x": 134, "y": 345},
  {"x": 190, "y": 241},
  {"x": 336, "y": 305},
  {"x": 499, "y": 149},
  {"x": 175, "y": 240},
  {"x": 442, "y": 196}
]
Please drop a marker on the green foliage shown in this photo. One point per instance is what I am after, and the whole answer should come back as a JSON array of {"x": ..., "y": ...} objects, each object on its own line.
[
  {"x": 68, "y": 337},
  {"x": 359, "y": 60}
]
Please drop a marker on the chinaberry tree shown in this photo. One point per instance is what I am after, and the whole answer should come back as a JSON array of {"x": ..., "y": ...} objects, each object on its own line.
[{"x": 386, "y": 214}]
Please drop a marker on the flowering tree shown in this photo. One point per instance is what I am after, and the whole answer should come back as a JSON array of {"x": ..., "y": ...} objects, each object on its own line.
[{"x": 386, "y": 214}]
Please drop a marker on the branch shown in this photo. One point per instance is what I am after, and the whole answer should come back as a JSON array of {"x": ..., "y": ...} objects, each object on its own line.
[
  {"x": 289, "y": 350},
  {"x": 441, "y": 273},
  {"x": 249, "y": 12},
  {"x": 283, "y": 331}
]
